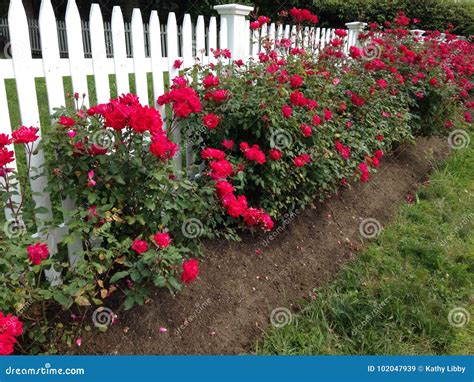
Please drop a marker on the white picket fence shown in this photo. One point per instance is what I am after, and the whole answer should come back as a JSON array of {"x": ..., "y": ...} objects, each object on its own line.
[{"x": 234, "y": 34}]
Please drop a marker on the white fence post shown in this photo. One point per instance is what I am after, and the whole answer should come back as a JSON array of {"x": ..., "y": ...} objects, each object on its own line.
[
  {"x": 234, "y": 15},
  {"x": 355, "y": 28}
]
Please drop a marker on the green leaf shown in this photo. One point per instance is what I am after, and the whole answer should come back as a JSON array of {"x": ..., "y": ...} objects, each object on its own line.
[
  {"x": 62, "y": 299},
  {"x": 129, "y": 302},
  {"x": 118, "y": 276}
]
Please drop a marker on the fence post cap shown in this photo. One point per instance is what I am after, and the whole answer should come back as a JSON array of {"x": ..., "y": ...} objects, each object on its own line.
[
  {"x": 356, "y": 25},
  {"x": 233, "y": 9}
]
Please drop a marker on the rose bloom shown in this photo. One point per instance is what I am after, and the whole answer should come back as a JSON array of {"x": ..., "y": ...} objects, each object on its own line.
[
  {"x": 25, "y": 134},
  {"x": 275, "y": 154},
  {"x": 211, "y": 121},
  {"x": 211, "y": 153},
  {"x": 10, "y": 327},
  {"x": 301, "y": 160},
  {"x": 139, "y": 246},
  {"x": 6, "y": 156},
  {"x": 228, "y": 144},
  {"x": 286, "y": 110},
  {"x": 190, "y": 271},
  {"x": 37, "y": 253},
  {"x": 5, "y": 140},
  {"x": 296, "y": 81},
  {"x": 162, "y": 239},
  {"x": 210, "y": 81},
  {"x": 66, "y": 121},
  {"x": 306, "y": 130}
]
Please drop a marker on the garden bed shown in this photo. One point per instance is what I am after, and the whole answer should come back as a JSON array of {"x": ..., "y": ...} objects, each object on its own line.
[{"x": 229, "y": 306}]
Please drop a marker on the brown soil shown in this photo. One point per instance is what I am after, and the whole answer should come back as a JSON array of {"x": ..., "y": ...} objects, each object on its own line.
[{"x": 226, "y": 309}]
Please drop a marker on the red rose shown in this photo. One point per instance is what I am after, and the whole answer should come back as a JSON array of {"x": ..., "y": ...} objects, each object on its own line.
[
  {"x": 298, "y": 99},
  {"x": 254, "y": 25},
  {"x": 10, "y": 327},
  {"x": 316, "y": 120},
  {"x": 95, "y": 150},
  {"x": 66, "y": 121},
  {"x": 221, "y": 169},
  {"x": 296, "y": 81},
  {"x": 162, "y": 239},
  {"x": 224, "y": 188},
  {"x": 228, "y": 144},
  {"x": 210, "y": 81},
  {"x": 139, "y": 246},
  {"x": 211, "y": 121},
  {"x": 255, "y": 154},
  {"x": 275, "y": 154},
  {"x": 327, "y": 114},
  {"x": 162, "y": 147},
  {"x": 5, "y": 140},
  {"x": 211, "y": 153},
  {"x": 25, "y": 134},
  {"x": 37, "y": 253},
  {"x": 286, "y": 110},
  {"x": 236, "y": 206},
  {"x": 6, "y": 156},
  {"x": 378, "y": 154},
  {"x": 306, "y": 130},
  {"x": 190, "y": 271},
  {"x": 301, "y": 160}
]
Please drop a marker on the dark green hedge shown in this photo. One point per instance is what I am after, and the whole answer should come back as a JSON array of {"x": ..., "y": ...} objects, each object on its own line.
[{"x": 434, "y": 14}]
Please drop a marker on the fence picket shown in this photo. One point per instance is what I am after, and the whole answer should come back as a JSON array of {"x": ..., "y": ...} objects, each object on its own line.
[
  {"x": 120, "y": 51},
  {"x": 99, "y": 55},
  {"x": 26, "y": 89},
  {"x": 156, "y": 59},
  {"x": 187, "y": 40},
  {"x": 200, "y": 39},
  {"x": 5, "y": 128},
  {"x": 55, "y": 93},
  {"x": 76, "y": 55},
  {"x": 138, "y": 46},
  {"x": 172, "y": 47},
  {"x": 212, "y": 38},
  {"x": 271, "y": 35}
]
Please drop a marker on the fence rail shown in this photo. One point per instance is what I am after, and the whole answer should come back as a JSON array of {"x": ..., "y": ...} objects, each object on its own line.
[
  {"x": 35, "y": 41},
  {"x": 39, "y": 48}
]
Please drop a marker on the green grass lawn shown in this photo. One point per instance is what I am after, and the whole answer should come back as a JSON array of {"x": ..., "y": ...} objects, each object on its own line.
[{"x": 395, "y": 298}]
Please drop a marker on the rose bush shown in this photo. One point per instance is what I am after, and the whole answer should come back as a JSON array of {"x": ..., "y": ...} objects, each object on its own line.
[
  {"x": 270, "y": 135},
  {"x": 299, "y": 123}
]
